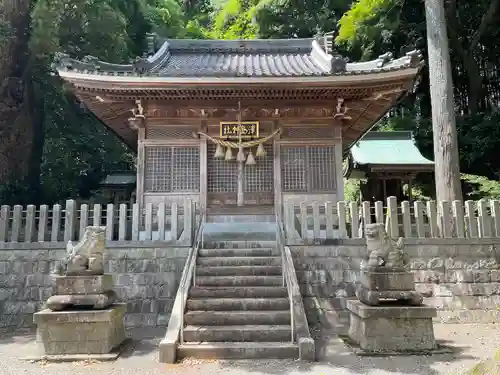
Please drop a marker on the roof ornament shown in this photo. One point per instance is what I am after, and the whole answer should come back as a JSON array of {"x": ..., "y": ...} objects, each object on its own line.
[
  {"x": 141, "y": 65},
  {"x": 62, "y": 61},
  {"x": 92, "y": 62},
  {"x": 341, "y": 110},
  {"x": 138, "y": 119},
  {"x": 151, "y": 39},
  {"x": 339, "y": 63},
  {"x": 384, "y": 59},
  {"x": 415, "y": 58}
]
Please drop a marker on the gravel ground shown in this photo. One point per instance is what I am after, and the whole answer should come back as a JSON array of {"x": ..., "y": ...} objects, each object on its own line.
[{"x": 469, "y": 343}]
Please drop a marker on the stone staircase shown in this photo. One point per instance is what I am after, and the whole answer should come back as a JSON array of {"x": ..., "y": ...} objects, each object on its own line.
[{"x": 238, "y": 307}]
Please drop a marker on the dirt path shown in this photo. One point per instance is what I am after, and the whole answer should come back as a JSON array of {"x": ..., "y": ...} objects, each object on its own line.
[{"x": 470, "y": 344}]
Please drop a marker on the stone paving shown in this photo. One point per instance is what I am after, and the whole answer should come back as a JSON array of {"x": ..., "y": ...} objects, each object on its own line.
[{"x": 469, "y": 343}]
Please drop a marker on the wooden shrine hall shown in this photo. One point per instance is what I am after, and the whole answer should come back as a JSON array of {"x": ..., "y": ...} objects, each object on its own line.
[
  {"x": 384, "y": 162},
  {"x": 240, "y": 123}
]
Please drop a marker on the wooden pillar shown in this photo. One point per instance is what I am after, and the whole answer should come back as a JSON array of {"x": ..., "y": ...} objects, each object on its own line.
[
  {"x": 339, "y": 173},
  {"x": 278, "y": 199},
  {"x": 240, "y": 199},
  {"x": 140, "y": 168},
  {"x": 410, "y": 197},
  {"x": 203, "y": 167}
]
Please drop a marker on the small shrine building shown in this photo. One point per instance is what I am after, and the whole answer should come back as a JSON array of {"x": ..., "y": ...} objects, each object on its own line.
[
  {"x": 240, "y": 123},
  {"x": 386, "y": 161}
]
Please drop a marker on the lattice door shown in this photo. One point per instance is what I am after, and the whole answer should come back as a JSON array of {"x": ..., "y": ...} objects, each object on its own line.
[{"x": 222, "y": 180}]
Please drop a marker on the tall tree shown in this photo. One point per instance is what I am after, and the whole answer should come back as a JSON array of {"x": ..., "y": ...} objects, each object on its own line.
[{"x": 447, "y": 170}]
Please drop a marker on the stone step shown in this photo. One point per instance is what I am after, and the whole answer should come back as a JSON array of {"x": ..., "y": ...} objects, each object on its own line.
[
  {"x": 237, "y": 304},
  {"x": 213, "y": 243},
  {"x": 255, "y": 333},
  {"x": 234, "y": 318},
  {"x": 239, "y": 281},
  {"x": 238, "y": 292},
  {"x": 238, "y": 261},
  {"x": 235, "y": 252},
  {"x": 238, "y": 350},
  {"x": 238, "y": 271}
]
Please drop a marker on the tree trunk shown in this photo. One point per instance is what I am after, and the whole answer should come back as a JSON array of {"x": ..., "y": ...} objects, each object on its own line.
[
  {"x": 21, "y": 130},
  {"x": 447, "y": 169}
]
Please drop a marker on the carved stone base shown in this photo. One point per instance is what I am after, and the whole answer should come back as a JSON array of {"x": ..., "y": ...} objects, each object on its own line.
[
  {"x": 391, "y": 328},
  {"x": 81, "y": 332},
  {"x": 89, "y": 301},
  {"x": 381, "y": 283},
  {"x": 374, "y": 297},
  {"x": 90, "y": 284}
]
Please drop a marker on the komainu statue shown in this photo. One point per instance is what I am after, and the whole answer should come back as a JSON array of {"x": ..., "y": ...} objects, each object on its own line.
[
  {"x": 86, "y": 257},
  {"x": 79, "y": 278},
  {"x": 384, "y": 274},
  {"x": 383, "y": 250}
]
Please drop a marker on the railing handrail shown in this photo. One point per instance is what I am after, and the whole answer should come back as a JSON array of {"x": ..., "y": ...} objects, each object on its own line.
[
  {"x": 289, "y": 275},
  {"x": 191, "y": 271}
]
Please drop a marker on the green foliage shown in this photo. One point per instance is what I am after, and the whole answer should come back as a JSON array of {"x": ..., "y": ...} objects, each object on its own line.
[
  {"x": 478, "y": 187},
  {"x": 352, "y": 190}
]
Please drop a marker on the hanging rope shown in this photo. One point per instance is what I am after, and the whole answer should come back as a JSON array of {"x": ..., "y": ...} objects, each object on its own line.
[{"x": 247, "y": 144}]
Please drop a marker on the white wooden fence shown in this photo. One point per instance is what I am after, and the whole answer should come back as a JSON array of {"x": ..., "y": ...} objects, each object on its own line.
[
  {"x": 325, "y": 220},
  {"x": 124, "y": 222}
]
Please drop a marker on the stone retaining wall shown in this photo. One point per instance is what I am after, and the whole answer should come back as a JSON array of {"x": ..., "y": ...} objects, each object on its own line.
[
  {"x": 145, "y": 277},
  {"x": 461, "y": 277}
]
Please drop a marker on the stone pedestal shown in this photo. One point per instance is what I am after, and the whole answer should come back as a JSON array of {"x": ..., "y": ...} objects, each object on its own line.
[
  {"x": 80, "y": 331},
  {"x": 387, "y": 328},
  {"x": 382, "y": 283},
  {"x": 91, "y": 291}
]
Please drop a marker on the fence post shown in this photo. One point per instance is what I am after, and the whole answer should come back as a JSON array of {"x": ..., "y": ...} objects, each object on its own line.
[
  {"x": 135, "y": 222},
  {"x": 174, "y": 221},
  {"x": 4, "y": 223},
  {"x": 458, "y": 213},
  {"x": 304, "y": 225},
  {"x": 405, "y": 210},
  {"x": 418, "y": 209},
  {"x": 110, "y": 221},
  {"x": 149, "y": 222},
  {"x": 122, "y": 222},
  {"x": 379, "y": 212},
  {"x": 470, "y": 218},
  {"x": 354, "y": 215},
  {"x": 367, "y": 215},
  {"x": 96, "y": 219},
  {"x": 316, "y": 221},
  {"x": 29, "y": 229},
  {"x": 342, "y": 220},
  {"x": 84, "y": 219},
  {"x": 446, "y": 220},
  {"x": 289, "y": 219},
  {"x": 160, "y": 213},
  {"x": 484, "y": 219},
  {"x": 69, "y": 220},
  {"x": 392, "y": 207},
  {"x": 17, "y": 218},
  {"x": 56, "y": 223},
  {"x": 188, "y": 220},
  {"x": 495, "y": 212},
  {"x": 42, "y": 222},
  {"x": 433, "y": 219},
  {"x": 329, "y": 220}
]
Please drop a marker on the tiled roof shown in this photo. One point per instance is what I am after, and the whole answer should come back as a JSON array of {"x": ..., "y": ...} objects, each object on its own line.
[
  {"x": 240, "y": 58},
  {"x": 388, "y": 148}
]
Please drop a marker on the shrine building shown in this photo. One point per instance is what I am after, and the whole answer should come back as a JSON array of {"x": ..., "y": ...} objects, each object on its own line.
[{"x": 240, "y": 123}]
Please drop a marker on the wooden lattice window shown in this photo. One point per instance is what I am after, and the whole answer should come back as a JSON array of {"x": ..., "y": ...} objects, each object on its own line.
[
  {"x": 172, "y": 169},
  {"x": 308, "y": 169}
]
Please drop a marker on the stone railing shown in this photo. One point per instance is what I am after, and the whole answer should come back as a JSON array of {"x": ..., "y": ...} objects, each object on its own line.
[
  {"x": 320, "y": 221},
  {"x": 170, "y": 223}
]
